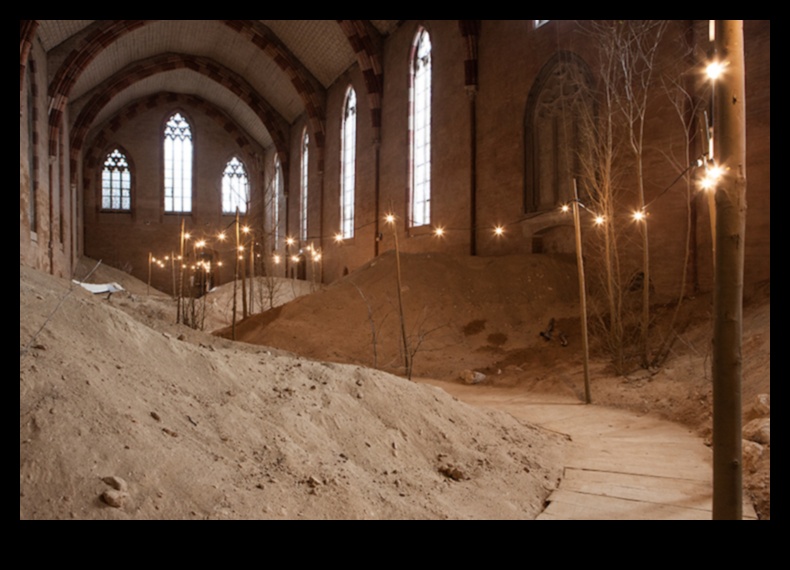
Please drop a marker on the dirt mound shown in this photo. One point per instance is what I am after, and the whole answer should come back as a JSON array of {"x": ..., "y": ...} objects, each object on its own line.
[
  {"x": 119, "y": 420},
  {"x": 460, "y": 313}
]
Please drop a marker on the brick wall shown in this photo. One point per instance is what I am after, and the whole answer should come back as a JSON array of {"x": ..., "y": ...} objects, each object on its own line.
[{"x": 511, "y": 55}]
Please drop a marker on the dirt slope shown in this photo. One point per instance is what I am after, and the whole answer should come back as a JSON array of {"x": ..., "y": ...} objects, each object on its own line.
[{"x": 124, "y": 415}]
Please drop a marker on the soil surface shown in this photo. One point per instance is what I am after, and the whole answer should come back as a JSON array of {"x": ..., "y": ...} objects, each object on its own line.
[{"x": 311, "y": 416}]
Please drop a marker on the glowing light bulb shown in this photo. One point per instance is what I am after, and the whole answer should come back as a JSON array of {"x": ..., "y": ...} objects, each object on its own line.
[
  {"x": 221, "y": 236},
  {"x": 339, "y": 238},
  {"x": 499, "y": 230},
  {"x": 295, "y": 259},
  {"x": 565, "y": 208},
  {"x": 715, "y": 69},
  {"x": 187, "y": 236},
  {"x": 599, "y": 220},
  {"x": 245, "y": 229},
  {"x": 639, "y": 216},
  {"x": 201, "y": 243},
  {"x": 390, "y": 219},
  {"x": 276, "y": 260},
  {"x": 439, "y": 232},
  {"x": 290, "y": 241}
]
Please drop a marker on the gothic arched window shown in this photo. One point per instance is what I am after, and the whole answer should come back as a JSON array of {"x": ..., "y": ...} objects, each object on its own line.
[
  {"x": 420, "y": 127},
  {"x": 303, "y": 187},
  {"x": 559, "y": 106},
  {"x": 178, "y": 164},
  {"x": 116, "y": 182},
  {"x": 348, "y": 164},
  {"x": 277, "y": 191},
  {"x": 235, "y": 187}
]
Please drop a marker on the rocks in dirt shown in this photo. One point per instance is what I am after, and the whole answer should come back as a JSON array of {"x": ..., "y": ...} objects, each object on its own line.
[
  {"x": 758, "y": 431},
  {"x": 118, "y": 495},
  {"x": 751, "y": 453},
  {"x": 453, "y": 472},
  {"x": 471, "y": 376},
  {"x": 759, "y": 408},
  {"x": 116, "y": 483}
]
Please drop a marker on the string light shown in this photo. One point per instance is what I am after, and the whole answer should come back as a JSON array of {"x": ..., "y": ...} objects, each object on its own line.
[
  {"x": 499, "y": 231},
  {"x": 599, "y": 220},
  {"x": 290, "y": 241},
  {"x": 712, "y": 176},
  {"x": 339, "y": 238},
  {"x": 389, "y": 218},
  {"x": 221, "y": 236},
  {"x": 715, "y": 69},
  {"x": 565, "y": 208},
  {"x": 439, "y": 231},
  {"x": 639, "y": 215}
]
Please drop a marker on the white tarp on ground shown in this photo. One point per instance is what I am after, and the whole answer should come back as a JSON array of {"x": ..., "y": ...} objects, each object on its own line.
[{"x": 97, "y": 288}]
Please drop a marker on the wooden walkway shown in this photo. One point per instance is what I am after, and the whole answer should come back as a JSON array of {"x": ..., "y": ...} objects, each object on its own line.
[{"x": 621, "y": 466}]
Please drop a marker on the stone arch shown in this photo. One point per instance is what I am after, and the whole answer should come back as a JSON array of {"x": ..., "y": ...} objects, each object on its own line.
[
  {"x": 168, "y": 62},
  {"x": 365, "y": 41},
  {"x": 103, "y": 36}
]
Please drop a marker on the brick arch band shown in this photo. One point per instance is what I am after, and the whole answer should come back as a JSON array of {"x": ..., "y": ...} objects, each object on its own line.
[
  {"x": 366, "y": 43},
  {"x": 98, "y": 143},
  {"x": 27, "y": 31},
  {"x": 258, "y": 34},
  {"x": 273, "y": 122}
]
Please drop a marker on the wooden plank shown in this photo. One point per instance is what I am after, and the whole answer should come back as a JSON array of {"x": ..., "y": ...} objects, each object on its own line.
[
  {"x": 665, "y": 490},
  {"x": 570, "y": 505}
]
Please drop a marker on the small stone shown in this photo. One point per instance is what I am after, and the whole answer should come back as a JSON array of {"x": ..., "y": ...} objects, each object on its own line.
[
  {"x": 471, "y": 377},
  {"x": 758, "y": 430},
  {"x": 114, "y": 498},
  {"x": 116, "y": 483},
  {"x": 156, "y": 416}
]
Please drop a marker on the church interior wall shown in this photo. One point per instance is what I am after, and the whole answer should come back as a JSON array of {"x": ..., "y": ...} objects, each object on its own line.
[{"x": 511, "y": 55}]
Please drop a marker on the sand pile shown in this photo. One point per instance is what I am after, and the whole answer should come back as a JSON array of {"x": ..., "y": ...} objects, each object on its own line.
[{"x": 127, "y": 418}]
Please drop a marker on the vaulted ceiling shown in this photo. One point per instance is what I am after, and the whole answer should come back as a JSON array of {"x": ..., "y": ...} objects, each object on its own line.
[{"x": 261, "y": 73}]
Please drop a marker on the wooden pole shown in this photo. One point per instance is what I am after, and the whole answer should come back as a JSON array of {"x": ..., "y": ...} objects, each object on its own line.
[
  {"x": 150, "y": 258},
  {"x": 180, "y": 301},
  {"x": 252, "y": 276},
  {"x": 582, "y": 294},
  {"x": 173, "y": 270},
  {"x": 404, "y": 337},
  {"x": 730, "y": 145},
  {"x": 235, "y": 275}
]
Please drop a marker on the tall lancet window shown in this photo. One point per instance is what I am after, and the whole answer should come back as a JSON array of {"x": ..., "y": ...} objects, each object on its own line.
[
  {"x": 178, "y": 165},
  {"x": 116, "y": 182},
  {"x": 235, "y": 188},
  {"x": 277, "y": 191},
  {"x": 303, "y": 187},
  {"x": 348, "y": 164},
  {"x": 420, "y": 127}
]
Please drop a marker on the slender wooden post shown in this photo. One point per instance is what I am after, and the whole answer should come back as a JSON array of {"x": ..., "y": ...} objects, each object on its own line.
[
  {"x": 179, "y": 303},
  {"x": 150, "y": 258},
  {"x": 404, "y": 337},
  {"x": 235, "y": 275},
  {"x": 173, "y": 270},
  {"x": 582, "y": 294},
  {"x": 730, "y": 145}
]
